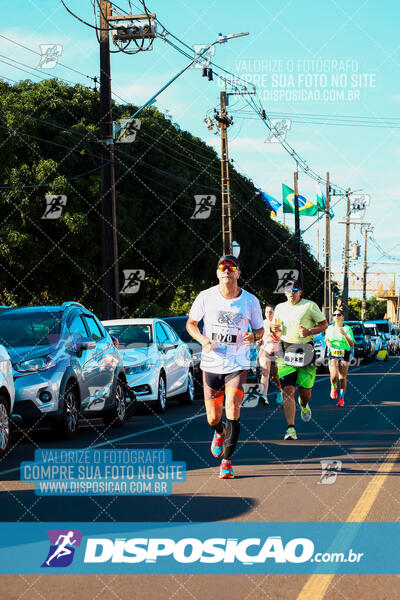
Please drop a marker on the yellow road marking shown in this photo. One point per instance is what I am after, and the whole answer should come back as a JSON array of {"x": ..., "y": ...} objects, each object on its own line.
[{"x": 317, "y": 585}]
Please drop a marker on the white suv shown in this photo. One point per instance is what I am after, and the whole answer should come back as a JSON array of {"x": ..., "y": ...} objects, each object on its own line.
[{"x": 7, "y": 396}]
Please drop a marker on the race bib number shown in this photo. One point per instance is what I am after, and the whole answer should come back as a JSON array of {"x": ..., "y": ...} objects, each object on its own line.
[
  {"x": 294, "y": 359},
  {"x": 298, "y": 355},
  {"x": 337, "y": 352},
  {"x": 224, "y": 335}
]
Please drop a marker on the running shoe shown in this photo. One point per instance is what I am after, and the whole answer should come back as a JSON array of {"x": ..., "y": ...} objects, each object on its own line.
[
  {"x": 333, "y": 393},
  {"x": 305, "y": 412},
  {"x": 217, "y": 444},
  {"x": 340, "y": 402},
  {"x": 290, "y": 434},
  {"x": 279, "y": 398},
  {"x": 225, "y": 470}
]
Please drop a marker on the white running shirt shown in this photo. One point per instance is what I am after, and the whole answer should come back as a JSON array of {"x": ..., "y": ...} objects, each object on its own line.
[{"x": 225, "y": 322}]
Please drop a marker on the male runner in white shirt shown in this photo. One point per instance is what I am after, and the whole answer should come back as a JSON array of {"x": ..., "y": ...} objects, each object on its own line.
[{"x": 227, "y": 311}]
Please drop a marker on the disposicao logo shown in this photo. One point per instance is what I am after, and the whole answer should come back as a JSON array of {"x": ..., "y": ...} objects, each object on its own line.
[
  {"x": 191, "y": 550},
  {"x": 62, "y": 547}
]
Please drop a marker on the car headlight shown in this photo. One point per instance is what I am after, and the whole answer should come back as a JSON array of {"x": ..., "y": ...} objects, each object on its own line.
[
  {"x": 143, "y": 368},
  {"x": 35, "y": 364}
]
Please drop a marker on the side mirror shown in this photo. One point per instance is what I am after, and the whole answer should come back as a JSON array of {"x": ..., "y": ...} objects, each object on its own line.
[
  {"x": 85, "y": 344},
  {"x": 115, "y": 341}
]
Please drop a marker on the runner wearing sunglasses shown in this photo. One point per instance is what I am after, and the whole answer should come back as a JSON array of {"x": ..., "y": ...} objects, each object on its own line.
[
  {"x": 339, "y": 339},
  {"x": 227, "y": 311},
  {"x": 296, "y": 322}
]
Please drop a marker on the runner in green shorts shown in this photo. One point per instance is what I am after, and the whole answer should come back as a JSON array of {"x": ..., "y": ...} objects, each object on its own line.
[{"x": 296, "y": 322}]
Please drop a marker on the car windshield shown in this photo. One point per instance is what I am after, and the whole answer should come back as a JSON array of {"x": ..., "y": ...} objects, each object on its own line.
[
  {"x": 371, "y": 329},
  {"x": 383, "y": 327},
  {"x": 29, "y": 328},
  {"x": 357, "y": 329},
  {"x": 178, "y": 324},
  {"x": 132, "y": 336}
]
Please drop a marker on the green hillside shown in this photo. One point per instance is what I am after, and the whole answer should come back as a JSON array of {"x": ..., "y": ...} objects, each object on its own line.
[{"x": 49, "y": 136}]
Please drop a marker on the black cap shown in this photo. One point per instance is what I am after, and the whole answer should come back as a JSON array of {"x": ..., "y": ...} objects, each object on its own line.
[
  {"x": 230, "y": 258},
  {"x": 294, "y": 284}
]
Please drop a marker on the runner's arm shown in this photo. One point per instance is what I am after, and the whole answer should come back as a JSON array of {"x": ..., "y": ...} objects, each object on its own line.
[
  {"x": 321, "y": 326},
  {"x": 349, "y": 339},
  {"x": 193, "y": 329},
  {"x": 250, "y": 337}
]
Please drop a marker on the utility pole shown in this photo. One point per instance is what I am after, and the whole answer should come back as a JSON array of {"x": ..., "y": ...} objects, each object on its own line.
[
  {"x": 327, "y": 269},
  {"x": 297, "y": 234},
  {"x": 224, "y": 122},
  {"x": 345, "y": 295},
  {"x": 364, "y": 292},
  {"x": 110, "y": 267}
]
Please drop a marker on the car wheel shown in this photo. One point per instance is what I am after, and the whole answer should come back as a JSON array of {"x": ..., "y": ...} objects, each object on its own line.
[
  {"x": 69, "y": 424},
  {"x": 188, "y": 397},
  {"x": 161, "y": 402},
  {"x": 117, "y": 416},
  {"x": 4, "y": 426}
]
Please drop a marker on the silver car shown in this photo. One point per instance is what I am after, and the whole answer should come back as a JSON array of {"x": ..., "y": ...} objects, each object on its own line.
[
  {"x": 158, "y": 365},
  {"x": 65, "y": 366},
  {"x": 7, "y": 396}
]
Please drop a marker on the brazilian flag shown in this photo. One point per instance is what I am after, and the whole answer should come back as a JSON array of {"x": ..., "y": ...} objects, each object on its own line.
[{"x": 306, "y": 208}]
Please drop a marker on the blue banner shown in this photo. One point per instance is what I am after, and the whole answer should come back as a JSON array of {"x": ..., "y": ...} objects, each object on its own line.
[{"x": 200, "y": 548}]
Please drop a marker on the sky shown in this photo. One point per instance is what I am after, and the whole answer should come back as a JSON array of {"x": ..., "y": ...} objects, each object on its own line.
[{"x": 336, "y": 58}]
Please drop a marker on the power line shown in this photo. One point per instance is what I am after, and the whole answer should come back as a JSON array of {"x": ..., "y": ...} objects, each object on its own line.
[
  {"x": 39, "y": 54},
  {"x": 36, "y": 69}
]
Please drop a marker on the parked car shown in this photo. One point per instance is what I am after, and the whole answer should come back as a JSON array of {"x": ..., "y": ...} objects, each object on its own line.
[
  {"x": 7, "y": 396},
  {"x": 396, "y": 339},
  {"x": 65, "y": 365},
  {"x": 363, "y": 347},
  {"x": 321, "y": 351},
  {"x": 158, "y": 364},
  {"x": 178, "y": 324},
  {"x": 385, "y": 326},
  {"x": 376, "y": 338}
]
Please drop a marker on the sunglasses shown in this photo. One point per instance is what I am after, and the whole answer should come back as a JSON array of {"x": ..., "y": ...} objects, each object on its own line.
[
  {"x": 337, "y": 315},
  {"x": 224, "y": 267},
  {"x": 288, "y": 290}
]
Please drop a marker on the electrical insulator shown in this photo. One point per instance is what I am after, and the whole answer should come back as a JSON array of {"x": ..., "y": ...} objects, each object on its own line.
[
  {"x": 205, "y": 71},
  {"x": 210, "y": 75},
  {"x": 263, "y": 115}
]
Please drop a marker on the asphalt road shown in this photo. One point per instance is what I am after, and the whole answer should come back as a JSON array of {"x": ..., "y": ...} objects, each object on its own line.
[{"x": 276, "y": 481}]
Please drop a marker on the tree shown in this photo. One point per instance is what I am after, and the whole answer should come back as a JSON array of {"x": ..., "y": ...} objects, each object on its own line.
[
  {"x": 49, "y": 138},
  {"x": 376, "y": 309}
]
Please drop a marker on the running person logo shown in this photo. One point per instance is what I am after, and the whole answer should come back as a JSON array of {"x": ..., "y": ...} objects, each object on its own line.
[
  {"x": 205, "y": 59},
  {"x": 50, "y": 53},
  {"x": 285, "y": 276},
  {"x": 63, "y": 543},
  {"x": 330, "y": 471},
  {"x": 125, "y": 130},
  {"x": 54, "y": 206},
  {"x": 252, "y": 393},
  {"x": 279, "y": 129},
  {"x": 203, "y": 206},
  {"x": 133, "y": 279}
]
